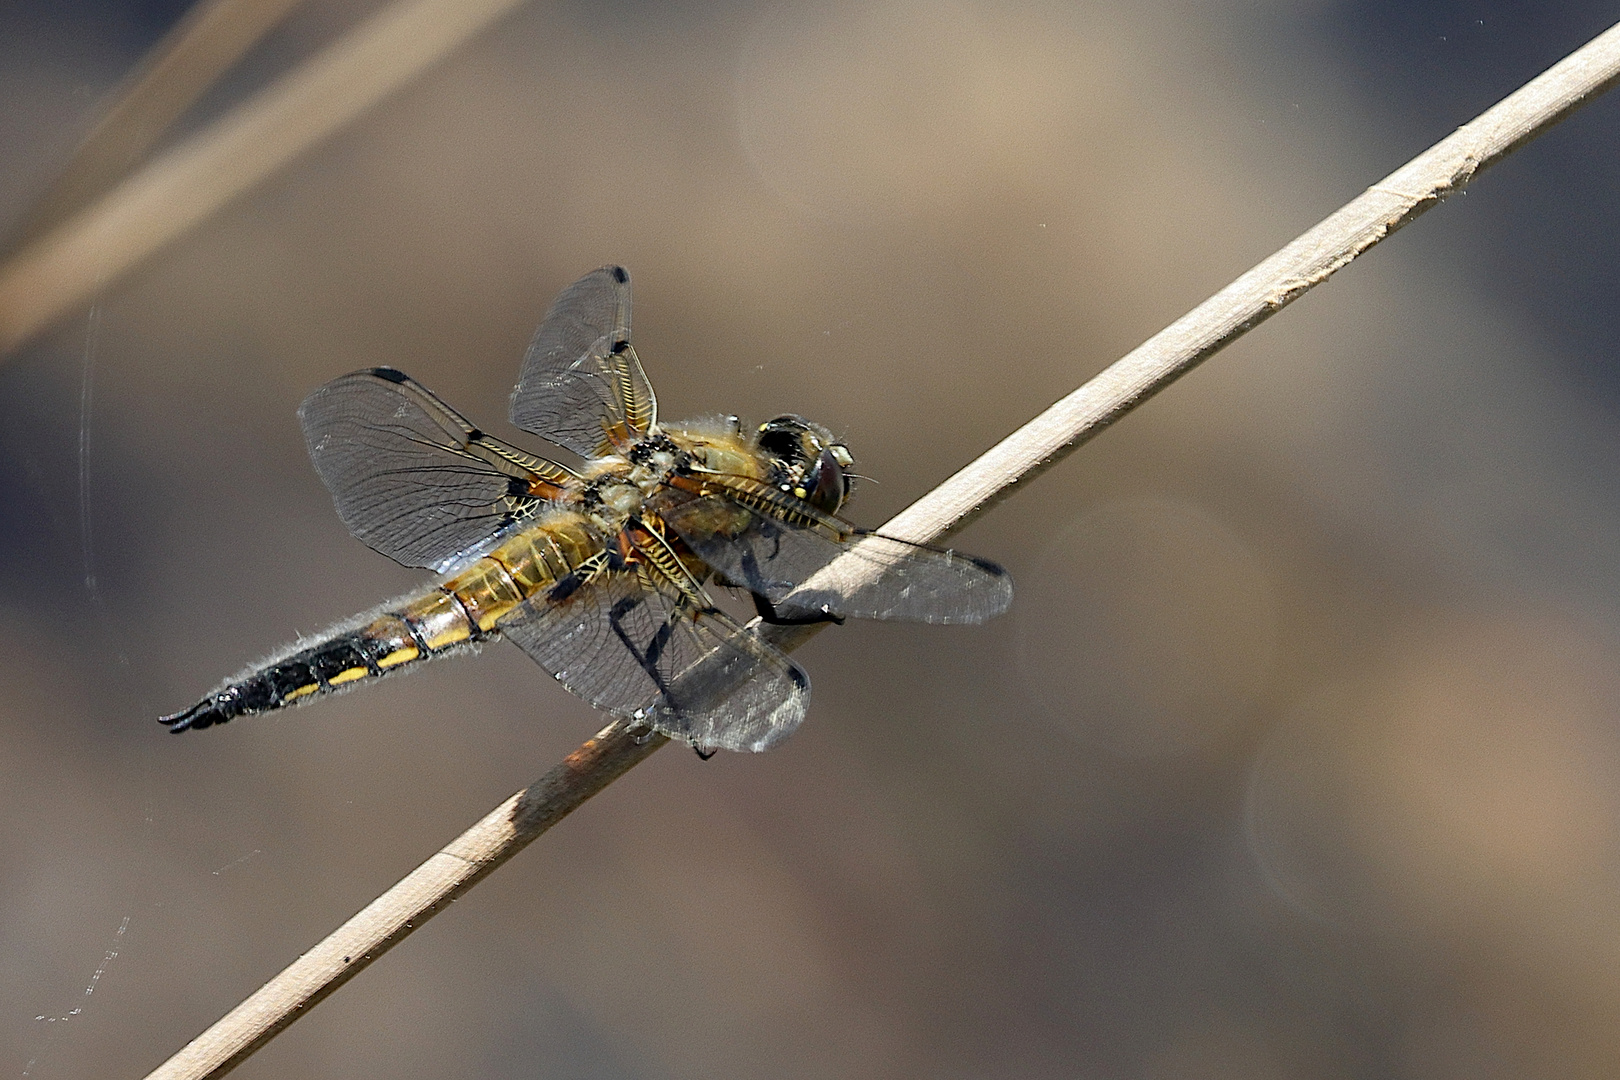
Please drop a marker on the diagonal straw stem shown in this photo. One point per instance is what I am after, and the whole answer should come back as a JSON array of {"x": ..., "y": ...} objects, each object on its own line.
[
  {"x": 1248, "y": 301},
  {"x": 207, "y": 42},
  {"x": 188, "y": 184}
]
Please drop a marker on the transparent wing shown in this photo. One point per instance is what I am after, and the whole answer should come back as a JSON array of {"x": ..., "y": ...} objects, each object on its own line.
[
  {"x": 411, "y": 478},
  {"x": 581, "y": 385},
  {"x": 638, "y": 650},
  {"x": 785, "y": 543}
]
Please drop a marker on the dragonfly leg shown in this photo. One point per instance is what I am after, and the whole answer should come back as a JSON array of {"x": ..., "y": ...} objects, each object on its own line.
[{"x": 648, "y": 658}]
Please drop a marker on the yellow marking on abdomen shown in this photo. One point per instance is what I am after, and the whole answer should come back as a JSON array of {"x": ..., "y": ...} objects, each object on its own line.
[
  {"x": 486, "y": 590},
  {"x": 398, "y": 644},
  {"x": 399, "y": 656},
  {"x": 438, "y": 620},
  {"x": 537, "y": 557},
  {"x": 474, "y": 601}
]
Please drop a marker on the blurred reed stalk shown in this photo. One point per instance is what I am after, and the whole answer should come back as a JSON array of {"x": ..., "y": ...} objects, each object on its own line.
[
  {"x": 186, "y": 185},
  {"x": 1248, "y": 301},
  {"x": 207, "y": 42}
]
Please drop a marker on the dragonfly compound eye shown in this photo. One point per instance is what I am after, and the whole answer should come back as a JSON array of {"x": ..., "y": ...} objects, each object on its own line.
[{"x": 809, "y": 463}]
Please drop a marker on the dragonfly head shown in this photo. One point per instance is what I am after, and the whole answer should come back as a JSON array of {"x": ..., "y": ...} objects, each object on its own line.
[{"x": 807, "y": 461}]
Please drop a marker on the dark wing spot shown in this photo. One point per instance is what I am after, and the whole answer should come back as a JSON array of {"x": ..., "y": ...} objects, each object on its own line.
[
  {"x": 992, "y": 568},
  {"x": 390, "y": 374},
  {"x": 620, "y": 274}
]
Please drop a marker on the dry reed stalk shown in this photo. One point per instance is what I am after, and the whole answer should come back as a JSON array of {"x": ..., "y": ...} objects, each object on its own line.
[
  {"x": 186, "y": 185},
  {"x": 207, "y": 41},
  {"x": 1248, "y": 301}
]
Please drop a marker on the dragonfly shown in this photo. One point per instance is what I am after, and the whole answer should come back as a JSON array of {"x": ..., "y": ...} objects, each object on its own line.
[{"x": 601, "y": 570}]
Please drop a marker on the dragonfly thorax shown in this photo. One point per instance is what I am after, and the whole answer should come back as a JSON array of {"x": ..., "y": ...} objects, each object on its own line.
[
  {"x": 618, "y": 501},
  {"x": 619, "y": 485}
]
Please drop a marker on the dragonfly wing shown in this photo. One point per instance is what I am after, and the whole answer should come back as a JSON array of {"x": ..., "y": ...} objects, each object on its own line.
[
  {"x": 637, "y": 650},
  {"x": 808, "y": 563},
  {"x": 411, "y": 478},
  {"x": 581, "y": 385},
  {"x": 879, "y": 577}
]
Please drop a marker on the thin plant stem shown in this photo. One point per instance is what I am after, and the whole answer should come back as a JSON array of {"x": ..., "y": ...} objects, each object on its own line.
[
  {"x": 207, "y": 42},
  {"x": 420, "y": 895},
  {"x": 1248, "y": 301},
  {"x": 186, "y": 185}
]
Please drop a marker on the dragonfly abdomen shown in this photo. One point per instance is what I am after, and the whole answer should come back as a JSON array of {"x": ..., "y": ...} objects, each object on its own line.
[
  {"x": 386, "y": 642},
  {"x": 459, "y": 612}
]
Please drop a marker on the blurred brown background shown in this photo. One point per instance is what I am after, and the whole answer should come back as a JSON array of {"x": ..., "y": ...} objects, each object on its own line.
[{"x": 1297, "y": 755}]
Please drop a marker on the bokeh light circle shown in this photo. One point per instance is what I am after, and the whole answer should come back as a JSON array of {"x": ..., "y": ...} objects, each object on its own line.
[{"x": 1147, "y": 628}]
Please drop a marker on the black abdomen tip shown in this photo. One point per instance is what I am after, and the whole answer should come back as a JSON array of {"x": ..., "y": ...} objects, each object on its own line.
[{"x": 201, "y": 715}]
